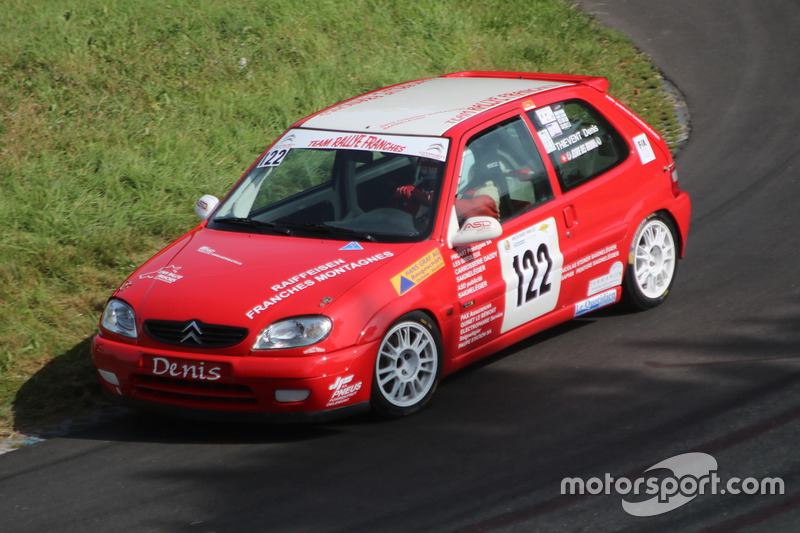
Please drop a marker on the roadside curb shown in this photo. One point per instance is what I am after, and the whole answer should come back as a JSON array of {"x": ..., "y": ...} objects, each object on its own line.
[
  {"x": 677, "y": 139},
  {"x": 59, "y": 429}
]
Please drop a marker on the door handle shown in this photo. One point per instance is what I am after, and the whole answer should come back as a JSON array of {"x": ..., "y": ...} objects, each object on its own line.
[{"x": 570, "y": 216}]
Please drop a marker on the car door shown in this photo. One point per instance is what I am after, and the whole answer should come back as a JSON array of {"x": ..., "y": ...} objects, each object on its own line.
[
  {"x": 596, "y": 174},
  {"x": 516, "y": 278}
]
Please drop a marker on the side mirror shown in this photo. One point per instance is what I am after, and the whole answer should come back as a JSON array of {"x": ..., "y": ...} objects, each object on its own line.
[
  {"x": 477, "y": 229},
  {"x": 205, "y": 206}
]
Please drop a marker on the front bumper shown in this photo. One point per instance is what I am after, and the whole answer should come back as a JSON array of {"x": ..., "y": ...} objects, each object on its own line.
[{"x": 191, "y": 384}]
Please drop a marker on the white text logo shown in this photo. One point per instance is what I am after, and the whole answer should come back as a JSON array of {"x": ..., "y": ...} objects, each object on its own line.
[{"x": 691, "y": 475}]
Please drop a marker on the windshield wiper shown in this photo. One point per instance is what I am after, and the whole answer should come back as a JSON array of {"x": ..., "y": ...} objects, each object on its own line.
[
  {"x": 257, "y": 224},
  {"x": 329, "y": 230}
]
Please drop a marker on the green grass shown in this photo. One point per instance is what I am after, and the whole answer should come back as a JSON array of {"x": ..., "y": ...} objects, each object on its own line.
[{"x": 115, "y": 115}]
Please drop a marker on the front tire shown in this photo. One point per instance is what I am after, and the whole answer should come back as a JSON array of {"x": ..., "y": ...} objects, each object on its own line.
[
  {"x": 652, "y": 263},
  {"x": 407, "y": 367}
]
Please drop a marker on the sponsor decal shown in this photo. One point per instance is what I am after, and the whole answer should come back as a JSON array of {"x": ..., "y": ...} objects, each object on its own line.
[
  {"x": 556, "y": 122},
  {"x": 210, "y": 251},
  {"x": 343, "y": 390},
  {"x": 376, "y": 95},
  {"x": 314, "y": 349},
  {"x": 473, "y": 324},
  {"x": 646, "y": 153},
  {"x": 547, "y": 141},
  {"x": 478, "y": 225},
  {"x": 595, "y": 302},
  {"x": 562, "y": 118},
  {"x": 400, "y": 122},
  {"x": 418, "y": 272},
  {"x": 591, "y": 260},
  {"x": 469, "y": 265},
  {"x": 494, "y": 101},
  {"x": 546, "y": 116},
  {"x": 308, "y": 278},
  {"x": 612, "y": 279},
  {"x": 167, "y": 274}
]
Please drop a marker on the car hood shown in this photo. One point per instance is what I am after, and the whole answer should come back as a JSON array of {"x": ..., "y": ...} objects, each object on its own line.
[{"x": 243, "y": 279}]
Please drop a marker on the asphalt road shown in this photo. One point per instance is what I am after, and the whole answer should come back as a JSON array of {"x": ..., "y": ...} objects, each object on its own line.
[{"x": 716, "y": 370}]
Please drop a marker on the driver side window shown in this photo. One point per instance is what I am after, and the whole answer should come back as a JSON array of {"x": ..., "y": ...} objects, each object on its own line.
[{"x": 503, "y": 164}]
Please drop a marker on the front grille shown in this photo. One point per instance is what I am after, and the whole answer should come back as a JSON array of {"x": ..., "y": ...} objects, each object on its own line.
[
  {"x": 194, "y": 333},
  {"x": 188, "y": 393}
]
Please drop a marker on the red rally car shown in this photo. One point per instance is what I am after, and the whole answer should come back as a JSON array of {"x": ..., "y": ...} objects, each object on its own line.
[{"x": 394, "y": 238}]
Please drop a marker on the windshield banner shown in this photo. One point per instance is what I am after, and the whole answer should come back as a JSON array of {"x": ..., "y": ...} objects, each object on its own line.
[{"x": 430, "y": 147}]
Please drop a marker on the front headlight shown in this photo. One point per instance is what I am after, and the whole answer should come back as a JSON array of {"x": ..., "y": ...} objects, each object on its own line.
[
  {"x": 294, "y": 332},
  {"x": 119, "y": 318}
]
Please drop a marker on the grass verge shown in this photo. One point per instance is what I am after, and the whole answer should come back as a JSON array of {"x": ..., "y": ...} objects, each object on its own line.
[{"x": 116, "y": 115}]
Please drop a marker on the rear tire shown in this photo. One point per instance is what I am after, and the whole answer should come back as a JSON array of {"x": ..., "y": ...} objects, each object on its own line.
[
  {"x": 407, "y": 367},
  {"x": 652, "y": 263}
]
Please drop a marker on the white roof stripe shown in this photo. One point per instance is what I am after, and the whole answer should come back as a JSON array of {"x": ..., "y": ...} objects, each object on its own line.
[{"x": 425, "y": 107}]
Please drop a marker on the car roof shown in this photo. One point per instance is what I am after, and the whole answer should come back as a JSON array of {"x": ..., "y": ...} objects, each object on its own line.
[{"x": 434, "y": 105}]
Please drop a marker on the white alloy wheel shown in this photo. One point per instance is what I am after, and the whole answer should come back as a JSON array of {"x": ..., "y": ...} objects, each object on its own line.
[
  {"x": 654, "y": 262},
  {"x": 407, "y": 366}
]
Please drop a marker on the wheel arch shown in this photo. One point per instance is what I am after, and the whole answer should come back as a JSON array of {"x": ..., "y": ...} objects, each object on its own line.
[
  {"x": 385, "y": 317},
  {"x": 640, "y": 215},
  {"x": 679, "y": 234}
]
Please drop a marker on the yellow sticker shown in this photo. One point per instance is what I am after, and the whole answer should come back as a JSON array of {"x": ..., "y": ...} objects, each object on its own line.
[{"x": 418, "y": 272}]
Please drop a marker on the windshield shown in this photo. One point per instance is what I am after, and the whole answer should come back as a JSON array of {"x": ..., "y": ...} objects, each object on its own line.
[{"x": 388, "y": 194}]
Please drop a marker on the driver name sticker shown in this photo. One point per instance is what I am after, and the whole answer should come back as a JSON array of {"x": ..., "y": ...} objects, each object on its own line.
[{"x": 531, "y": 261}]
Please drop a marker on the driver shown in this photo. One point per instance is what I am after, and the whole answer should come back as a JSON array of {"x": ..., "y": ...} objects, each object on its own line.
[
  {"x": 416, "y": 199},
  {"x": 480, "y": 202}
]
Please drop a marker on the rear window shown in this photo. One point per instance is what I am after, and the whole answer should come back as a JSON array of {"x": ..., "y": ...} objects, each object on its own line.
[{"x": 581, "y": 143}]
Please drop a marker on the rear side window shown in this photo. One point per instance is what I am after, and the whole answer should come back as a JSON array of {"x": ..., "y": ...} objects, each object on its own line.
[{"x": 581, "y": 143}]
